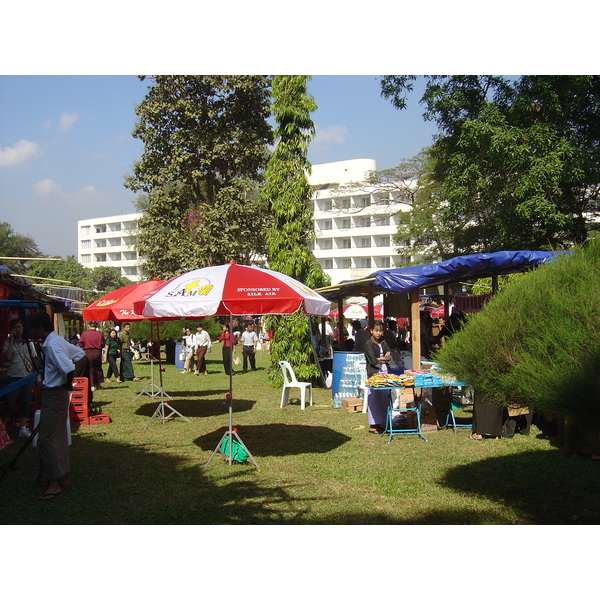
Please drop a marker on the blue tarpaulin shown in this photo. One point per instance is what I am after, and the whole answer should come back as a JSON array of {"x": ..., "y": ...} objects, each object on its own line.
[{"x": 469, "y": 266}]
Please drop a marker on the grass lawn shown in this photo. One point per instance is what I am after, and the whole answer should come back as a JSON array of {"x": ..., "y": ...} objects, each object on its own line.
[{"x": 317, "y": 466}]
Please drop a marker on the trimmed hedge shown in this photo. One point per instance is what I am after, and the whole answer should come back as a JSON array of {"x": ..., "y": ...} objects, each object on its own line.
[{"x": 538, "y": 341}]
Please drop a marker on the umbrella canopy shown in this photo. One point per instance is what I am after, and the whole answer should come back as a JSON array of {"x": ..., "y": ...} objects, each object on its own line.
[
  {"x": 118, "y": 304},
  {"x": 358, "y": 311},
  {"x": 230, "y": 289}
]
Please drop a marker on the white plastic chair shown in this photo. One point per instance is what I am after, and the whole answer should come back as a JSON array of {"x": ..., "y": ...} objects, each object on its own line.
[{"x": 290, "y": 381}]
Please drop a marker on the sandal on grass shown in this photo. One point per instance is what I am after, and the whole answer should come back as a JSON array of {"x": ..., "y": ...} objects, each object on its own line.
[
  {"x": 475, "y": 436},
  {"x": 49, "y": 496}
]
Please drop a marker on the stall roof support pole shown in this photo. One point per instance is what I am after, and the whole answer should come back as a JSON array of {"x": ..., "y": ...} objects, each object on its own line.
[
  {"x": 371, "y": 310},
  {"x": 415, "y": 329}
]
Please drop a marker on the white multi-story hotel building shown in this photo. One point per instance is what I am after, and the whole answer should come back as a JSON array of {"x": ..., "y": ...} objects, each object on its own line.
[
  {"x": 354, "y": 227},
  {"x": 355, "y": 223},
  {"x": 109, "y": 242}
]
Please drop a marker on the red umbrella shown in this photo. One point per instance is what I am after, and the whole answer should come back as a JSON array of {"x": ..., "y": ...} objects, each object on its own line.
[{"x": 118, "y": 304}]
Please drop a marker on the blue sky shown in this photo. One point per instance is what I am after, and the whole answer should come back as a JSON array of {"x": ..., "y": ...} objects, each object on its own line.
[{"x": 66, "y": 144}]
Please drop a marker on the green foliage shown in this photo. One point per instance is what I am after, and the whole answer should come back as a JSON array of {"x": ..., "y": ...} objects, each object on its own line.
[
  {"x": 291, "y": 342},
  {"x": 205, "y": 146},
  {"x": 516, "y": 164},
  {"x": 17, "y": 245},
  {"x": 289, "y": 197},
  {"x": 538, "y": 341},
  {"x": 67, "y": 269}
]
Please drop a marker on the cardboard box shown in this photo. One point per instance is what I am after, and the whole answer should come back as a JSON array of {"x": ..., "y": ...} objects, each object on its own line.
[{"x": 352, "y": 405}]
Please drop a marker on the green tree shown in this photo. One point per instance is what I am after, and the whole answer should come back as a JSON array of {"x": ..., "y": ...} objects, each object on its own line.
[
  {"x": 289, "y": 197},
  {"x": 205, "y": 147},
  {"x": 16, "y": 245},
  {"x": 67, "y": 269},
  {"x": 516, "y": 161},
  {"x": 107, "y": 279}
]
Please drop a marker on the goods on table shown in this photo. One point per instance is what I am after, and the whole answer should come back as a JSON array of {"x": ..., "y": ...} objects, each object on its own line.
[
  {"x": 386, "y": 380},
  {"x": 422, "y": 378}
]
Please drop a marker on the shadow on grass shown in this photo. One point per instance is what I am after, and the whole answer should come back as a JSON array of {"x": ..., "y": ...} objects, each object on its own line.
[
  {"x": 134, "y": 484},
  {"x": 543, "y": 486},
  {"x": 279, "y": 439},
  {"x": 199, "y": 407}
]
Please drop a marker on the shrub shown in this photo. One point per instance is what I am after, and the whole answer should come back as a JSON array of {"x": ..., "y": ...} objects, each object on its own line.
[{"x": 538, "y": 341}]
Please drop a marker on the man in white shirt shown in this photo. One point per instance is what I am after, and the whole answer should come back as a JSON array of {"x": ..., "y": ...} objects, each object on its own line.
[
  {"x": 203, "y": 345},
  {"x": 190, "y": 347},
  {"x": 249, "y": 341},
  {"x": 59, "y": 370}
]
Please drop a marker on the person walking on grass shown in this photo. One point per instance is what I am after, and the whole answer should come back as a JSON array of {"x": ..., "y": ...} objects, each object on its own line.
[
  {"x": 59, "y": 369},
  {"x": 92, "y": 341},
  {"x": 127, "y": 373},
  {"x": 249, "y": 341},
  {"x": 111, "y": 353},
  {"x": 203, "y": 345}
]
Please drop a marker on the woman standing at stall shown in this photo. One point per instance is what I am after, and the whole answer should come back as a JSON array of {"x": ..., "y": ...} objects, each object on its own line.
[{"x": 377, "y": 353}]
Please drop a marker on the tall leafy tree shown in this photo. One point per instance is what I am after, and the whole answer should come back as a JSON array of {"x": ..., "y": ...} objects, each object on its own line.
[
  {"x": 16, "y": 245},
  {"x": 289, "y": 197},
  {"x": 516, "y": 162},
  {"x": 205, "y": 147}
]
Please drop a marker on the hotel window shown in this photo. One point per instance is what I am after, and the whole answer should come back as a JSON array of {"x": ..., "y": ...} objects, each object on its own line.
[
  {"x": 328, "y": 263},
  {"x": 345, "y": 223},
  {"x": 86, "y": 244},
  {"x": 364, "y": 242},
  {"x": 100, "y": 229},
  {"x": 344, "y": 263},
  {"x": 85, "y": 230},
  {"x": 362, "y": 221},
  {"x": 326, "y": 244},
  {"x": 363, "y": 263},
  {"x": 344, "y": 243},
  {"x": 86, "y": 258}
]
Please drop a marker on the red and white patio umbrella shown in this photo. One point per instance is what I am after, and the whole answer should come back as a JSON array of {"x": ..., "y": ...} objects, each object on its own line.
[
  {"x": 118, "y": 305},
  {"x": 231, "y": 289}
]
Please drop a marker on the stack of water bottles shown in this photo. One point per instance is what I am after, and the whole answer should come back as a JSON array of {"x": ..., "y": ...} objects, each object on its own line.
[{"x": 351, "y": 377}]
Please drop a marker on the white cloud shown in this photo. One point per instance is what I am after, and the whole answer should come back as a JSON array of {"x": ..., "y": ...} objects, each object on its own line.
[
  {"x": 22, "y": 151},
  {"x": 67, "y": 120},
  {"x": 50, "y": 191},
  {"x": 334, "y": 134},
  {"x": 47, "y": 187}
]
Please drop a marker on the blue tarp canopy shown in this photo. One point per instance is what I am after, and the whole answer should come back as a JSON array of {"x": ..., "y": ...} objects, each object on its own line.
[{"x": 470, "y": 266}]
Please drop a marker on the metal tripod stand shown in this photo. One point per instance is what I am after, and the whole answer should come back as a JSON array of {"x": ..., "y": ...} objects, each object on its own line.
[{"x": 164, "y": 411}]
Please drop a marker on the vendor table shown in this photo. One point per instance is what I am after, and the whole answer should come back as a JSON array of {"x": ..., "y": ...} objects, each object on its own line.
[{"x": 421, "y": 380}]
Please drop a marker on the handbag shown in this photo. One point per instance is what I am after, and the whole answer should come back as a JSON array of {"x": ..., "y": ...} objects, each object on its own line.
[{"x": 236, "y": 361}]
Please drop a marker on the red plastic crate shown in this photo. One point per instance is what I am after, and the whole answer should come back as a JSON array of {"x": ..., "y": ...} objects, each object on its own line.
[
  {"x": 81, "y": 410},
  {"x": 77, "y": 420},
  {"x": 98, "y": 418}
]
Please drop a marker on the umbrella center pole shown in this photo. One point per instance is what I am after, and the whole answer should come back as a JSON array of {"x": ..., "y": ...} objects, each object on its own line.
[{"x": 231, "y": 432}]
